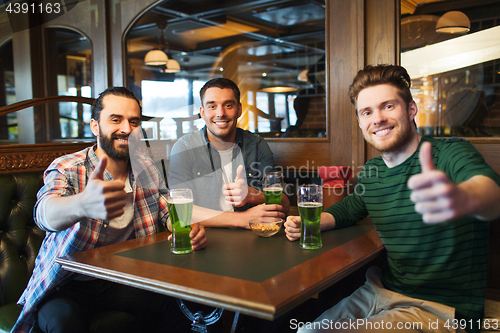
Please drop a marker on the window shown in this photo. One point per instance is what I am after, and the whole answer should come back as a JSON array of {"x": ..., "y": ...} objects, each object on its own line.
[
  {"x": 169, "y": 101},
  {"x": 455, "y": 76},
  {"x": 259, "y": 45},
  {"x": 69, "y": 73}
]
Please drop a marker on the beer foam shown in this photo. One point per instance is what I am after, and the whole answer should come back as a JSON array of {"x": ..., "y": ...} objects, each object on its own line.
[
  {"x": 273, "y": 188},
  {"x": 310, "y": 204},
  {"x": 178, "y": 201}
]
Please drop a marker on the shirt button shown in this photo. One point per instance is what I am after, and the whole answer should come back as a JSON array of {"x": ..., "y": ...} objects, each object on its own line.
[{"x": 105, "y": 226}]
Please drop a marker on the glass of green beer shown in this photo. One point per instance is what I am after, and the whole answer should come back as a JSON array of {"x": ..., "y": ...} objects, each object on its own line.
[
  {"x": 180, "y": 210},
  {"x": 310, "y": 204},
  {"x": 272, "y": 187}
]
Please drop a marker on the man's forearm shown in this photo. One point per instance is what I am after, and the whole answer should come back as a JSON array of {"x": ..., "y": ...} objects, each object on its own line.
[
  {"x": 213, "y": 218},
  {"x": 327, "y": 221},
  {"x": 255, "y": 197},
  {"x": 60, "y": 213},
  {"x": 482, "y": 197}
]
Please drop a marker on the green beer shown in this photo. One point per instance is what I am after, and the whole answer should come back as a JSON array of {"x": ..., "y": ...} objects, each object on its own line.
[
  {"x": 272, "y": 195},
  {"x": 180, "y": 211},
  {"x": 310, "y": 232}
]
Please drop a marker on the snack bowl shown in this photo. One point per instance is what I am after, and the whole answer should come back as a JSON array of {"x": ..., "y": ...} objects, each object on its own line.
[{"x": 265, "y": 226}]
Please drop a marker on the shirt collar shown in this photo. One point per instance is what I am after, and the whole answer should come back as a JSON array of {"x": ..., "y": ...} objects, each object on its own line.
[{"x": 93, "y": 161}]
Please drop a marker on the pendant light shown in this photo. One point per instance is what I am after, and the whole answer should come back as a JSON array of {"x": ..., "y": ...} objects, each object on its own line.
[
  {"x": 453, "y": 22},
  {"x": 277, "y": 81},
  {"x": 157, "y": 57}
]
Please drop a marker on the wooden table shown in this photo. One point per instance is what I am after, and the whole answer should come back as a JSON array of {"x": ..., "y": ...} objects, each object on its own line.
[{"x": 237, "y": 271}]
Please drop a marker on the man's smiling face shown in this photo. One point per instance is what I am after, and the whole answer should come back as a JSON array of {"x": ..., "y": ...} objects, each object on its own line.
[
  {"x": 221, "y": 111},
  {"x": 118, "y": 118},
  {"x": 384, "y": 118}
]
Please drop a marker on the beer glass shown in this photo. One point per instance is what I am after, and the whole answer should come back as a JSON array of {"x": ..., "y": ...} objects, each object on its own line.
[
  {"x": 180, "y": 210},
  {"x": 272, "y": 187},
  {"x": 310, "y": 204}
]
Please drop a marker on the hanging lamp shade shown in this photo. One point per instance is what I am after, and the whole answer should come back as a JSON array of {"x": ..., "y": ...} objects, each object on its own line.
[
  {"x": 278, "y": 89},
  {"x": 453, "y": 22},
  {"x": 277, "y": 83},
  {"x": 172, "y": 66},
  {"x": 156, "y": 58}
]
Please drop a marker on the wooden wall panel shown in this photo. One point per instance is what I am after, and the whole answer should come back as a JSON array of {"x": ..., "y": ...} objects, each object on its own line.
[
  {"x": 121, "y": 17},
  {"x": 382, "y": 39},
  {"x": 490, "y": 149},
  {"x": 310, "y": 153},
  {"x": 345, "y": 39},
  {"x": 25, "y": 158}
]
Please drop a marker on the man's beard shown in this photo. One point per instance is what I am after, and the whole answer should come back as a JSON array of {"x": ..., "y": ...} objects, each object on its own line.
[
  {"x": 402, "y": 140},
  {"x": 108, "y": 147}
]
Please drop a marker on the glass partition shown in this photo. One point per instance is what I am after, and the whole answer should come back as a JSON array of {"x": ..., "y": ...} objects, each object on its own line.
[
  {"x": 456, "y": 73},
  {"x": 274, "y": 51}
]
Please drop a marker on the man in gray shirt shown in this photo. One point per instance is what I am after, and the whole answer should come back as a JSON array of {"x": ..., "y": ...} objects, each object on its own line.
[{"x": 224, "y": 164}]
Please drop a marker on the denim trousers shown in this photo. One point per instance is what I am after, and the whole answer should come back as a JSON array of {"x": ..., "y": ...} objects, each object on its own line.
[{"x": 102, "y": 306}]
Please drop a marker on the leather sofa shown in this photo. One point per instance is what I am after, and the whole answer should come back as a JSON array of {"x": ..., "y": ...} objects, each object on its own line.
[{"x": 20, "y": 240}]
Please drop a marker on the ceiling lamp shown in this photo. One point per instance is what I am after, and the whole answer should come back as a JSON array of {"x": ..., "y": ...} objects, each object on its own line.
[
  {"x": 278, "y": 80},
  {"x": 453, "y": 22},
  {"x": 156, "y": 58},
  {"x": 278, "y": 89},
  {"x": 277, "y": 83},
  {"x": 172, "y": 66}
]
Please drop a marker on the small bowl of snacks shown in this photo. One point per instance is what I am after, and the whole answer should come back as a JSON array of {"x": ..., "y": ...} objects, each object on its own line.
[{"x": 265, "y": 226}]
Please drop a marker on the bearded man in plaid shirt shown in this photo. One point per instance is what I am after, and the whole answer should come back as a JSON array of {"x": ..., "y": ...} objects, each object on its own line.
[{"x": 95, "y": 197}]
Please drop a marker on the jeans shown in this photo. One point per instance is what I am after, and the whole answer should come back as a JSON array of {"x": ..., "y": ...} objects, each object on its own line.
[
  {"x": 103, "y": 306},
  {"x": 374, "y": 309}
]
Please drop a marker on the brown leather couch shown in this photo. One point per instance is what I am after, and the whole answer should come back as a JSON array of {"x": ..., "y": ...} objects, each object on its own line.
[{"x": 20, "y": 240}]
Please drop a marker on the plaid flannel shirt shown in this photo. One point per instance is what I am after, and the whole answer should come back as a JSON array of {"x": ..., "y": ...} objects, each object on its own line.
[{"x": 66, "y": 176}]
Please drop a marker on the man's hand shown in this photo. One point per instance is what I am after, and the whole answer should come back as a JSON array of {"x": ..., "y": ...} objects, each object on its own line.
[
  {"x": 436, "y": 197},
  {"x": 102, "y": 199},
  {"x": 197, "y": 235},
  {"x": 292, "y": 228},
  {"x": 261, "y": 210},
  {"x": 236, "y": 193}
]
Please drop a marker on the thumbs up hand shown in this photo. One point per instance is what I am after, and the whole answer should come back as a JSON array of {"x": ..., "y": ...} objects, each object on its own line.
[
  {"x": 425, "y": 157},
  {"x": 102, "y": 199},
  {"x": 436, "y": 197},
  {"x": 236, "y": 193},
  {"x": 98, "y": 173}
]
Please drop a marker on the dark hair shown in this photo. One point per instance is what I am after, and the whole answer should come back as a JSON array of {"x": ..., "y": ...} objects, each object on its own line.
[
  {"x": 115, "y": 91},
  {"x": 221, "y": 83},
  {"x": 381, "y": 74}
]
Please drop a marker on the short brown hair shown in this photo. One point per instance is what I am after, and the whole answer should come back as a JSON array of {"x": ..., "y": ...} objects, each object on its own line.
[
  {"x": 221, "y": 83},
  {"x": 381, "y": 74}
]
